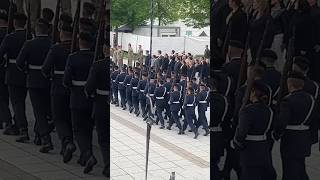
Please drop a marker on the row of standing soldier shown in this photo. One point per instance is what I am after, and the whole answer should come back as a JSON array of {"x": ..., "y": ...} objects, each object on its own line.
[
  {"x": 172, "y": 86},
  {"x": 278, "y": 97},
  {"x": 67, "y": 89}
]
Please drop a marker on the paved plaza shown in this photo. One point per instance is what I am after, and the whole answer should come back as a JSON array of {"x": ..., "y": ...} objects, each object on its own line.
[{"x": 189, "y": 158}]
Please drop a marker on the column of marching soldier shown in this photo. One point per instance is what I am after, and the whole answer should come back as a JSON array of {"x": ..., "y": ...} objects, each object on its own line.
[
  {"x": 66, "y": 88},
  {"x": 256, "y": 103},
  {"x": 166, "y": 83}
]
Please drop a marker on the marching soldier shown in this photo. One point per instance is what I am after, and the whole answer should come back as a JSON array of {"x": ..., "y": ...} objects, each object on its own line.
[
  {"x": 202, "y": 100},
  {"x": 4, "y": 95},
  {"x": 53, "y": 68},
  {"x": 150, "y": 91},
  {"x": 175, "y": 106},
  {"x": 168, "y": 86},
  {"x": 15, "y": 79},
  {"x": 293, "y": 128},
  {"x": 130, "y": 55},
  {"x": 160, "y": 93},
  {"x": 252, "y": 136},
  {"x": 114, "y": 86},
  {"x": 128, "y": 88},
  {"x": 75, "y": 76},
  {"x": 142, "y": 97},
  {"x": 189, "y": 107},
  {"x": 97, "y": 87},
  {"x": 122, "y": 88},
  {"x": 135, "y": 94},
  {"x": 31, "y": 59}
]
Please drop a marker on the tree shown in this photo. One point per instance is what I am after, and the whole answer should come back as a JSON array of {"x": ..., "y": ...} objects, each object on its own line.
[
  {"x": 166, "y": 11},
  {"x": 195, "y": 13}
]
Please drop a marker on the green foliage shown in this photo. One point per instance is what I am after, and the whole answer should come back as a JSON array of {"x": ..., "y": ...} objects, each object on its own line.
[{"x": 195, "y": 13}]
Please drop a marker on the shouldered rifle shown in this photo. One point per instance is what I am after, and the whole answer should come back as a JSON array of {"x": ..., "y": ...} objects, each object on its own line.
[
  {"x": 100, "y": 37},
  {"x": 10, "y": 17},
  {"x": 75, "y": 27},
  {"x": 55, "y": 32},
  {"x": 28, "y": 30},
  {"x": 226, "y": 40}
]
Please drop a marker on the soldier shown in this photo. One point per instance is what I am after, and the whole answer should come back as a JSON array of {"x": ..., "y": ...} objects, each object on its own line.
[
  {"x": 128, "y": 88},
  {"x": 202, "y": 100},
  {"x": 130, "y": 55},
  {"x": 31, "y": 59},
  {"x": 175, "y": 107},
  {"x": 206, "y": 53},
  {"x": 120, "y": 57},
  {"x": 293, "y": 127},
  {"x": 15, "y": 79},
  {"x": 135, "y": 94},
  {"x": 160, "y": 93},
  {"x": 4, "y": 95},
  {"x": 115, "y": 55},
  {"x": 189, "y": 107},
  {"x": 150, "y": 91},
  {"x": 232, "y": 68},
  {"x": 65, "y": 19},
  {"x": 252, "y": 136},
  {"x": 56, "y": 62},
  {"x": 75, "y": 76},
  {"x": 140, "y": 55},
  {"x": 114, "y": 86},
  {"x": 142, "y": 97},
  {"x": 97, "y": 87},
  {"x": 168, "y": 86},
  {"x": 122, "y": 88}
]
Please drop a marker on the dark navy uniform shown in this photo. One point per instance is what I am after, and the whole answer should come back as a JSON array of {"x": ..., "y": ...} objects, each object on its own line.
[
  {"x": 135, "y": 94},
  {"x": 272, "y": 78},
  {"x": 252, "y": 139},
  {"x": 75, "y": 76},
  {"x": 160, "y": 93},
  {"x": 97, "y": 87},
  {"x": 202, "y": 100},
  {"x": 31, "y": 59},
  {"x": 175, "y": 107},
  {"x": 4, "y": 95},
  {"x": 190, "y": 116},
  {"x": 114, "y": 86},
  {"x": 142, "y": 97},
  {"x": 127, "y": 84},
  {"x": 150, "y": 90},
  {"x": 168, "y": 86},
  {"x": 53, "y": 68},
  {"x": 297, "y": 116},
  {"x": 122, "y": 87}
]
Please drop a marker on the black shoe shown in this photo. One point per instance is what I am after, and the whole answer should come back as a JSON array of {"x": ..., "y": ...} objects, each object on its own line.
[
  {"x": 180, "y": 132},
  {"x": 37, "y": 140},
  {"x": 165, "y": 117},
  {"x": 162, "y": 127},
  {"x": 24, "y": 136},
  {"x": 90, "y": 163},
  {"x": 47, "y": 144},
  {"x": 11, "y": 130},
  {"x": 106, "y": 172},
  {"x": 207, "y": 133},
  {"x": 117, "y": 105},
  {"x": 131, "y": 109},
  {"x": 81, "y": 161},
  {"x": 196, "y": 134},
  {"x": 124, "y": 108},
  {"x": 145, "y": 118},
  {"x": 169, "y": 127},
  {"x": 113, "y": 102},
  {"x": 189, "y": 130},
  {"x": 70, "y": 149},
  {"x": 137, "y": 114}
]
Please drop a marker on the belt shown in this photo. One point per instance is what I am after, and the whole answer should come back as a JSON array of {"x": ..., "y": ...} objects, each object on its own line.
[
  {"x": 256, "y": 137},
  {"x": 102, "y": 92},
  {"x": 151, "y": 95},
  {"x": 175, "y": 102},
  {"x": 141, "y": 90},
  {"x": 190, "y": 105},
  {"x": 120, "y": 82},
  {"x": 134, "y": 87},
  {"x": 128, "y": 84},
  {"x": 59, "y": 72},
  {"x": 78, "y": 83},
  {"x": 12, "y": 61},
  {"x": 113, "y": 80},
  {"x": 202, "y": 102},
  {"x": 34, "y": 67},
  {"x": 298, "y": 127},
  {"x": 216, "y": 129},
  {"x": 159, "y": 97}
]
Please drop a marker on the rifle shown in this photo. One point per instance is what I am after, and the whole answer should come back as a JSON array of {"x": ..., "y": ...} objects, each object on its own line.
[
  {"x": 100, "y": 36},
  {"x": 244, "y": 64},
  {"x": 10, "y": 17},
  {"x": 75, "y": 27},
  {"x": 55, "y": 35},
  {"x": 226, "y": 41},
  {"x": 256, "y": 60},
  {"x": 28, "y": 30}
]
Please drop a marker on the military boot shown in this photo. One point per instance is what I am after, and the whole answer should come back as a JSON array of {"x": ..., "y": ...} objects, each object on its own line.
[
  {"x": 24, "y": 138},
  {"x": 70, "y": 149},
  {"x": 11, "y": 130},
  {"x": 207, "y": 132},
  {"x": 37, "y": 140},
  {"x": 106, "y": 172},
  {"x": 47, "y": 144},
  {"x": 90, "y": 163}
]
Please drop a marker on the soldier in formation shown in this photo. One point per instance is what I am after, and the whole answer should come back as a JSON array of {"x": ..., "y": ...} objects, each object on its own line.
[
  {"x": 68, "y": 90},
  {"x": 265, "y": 55}
]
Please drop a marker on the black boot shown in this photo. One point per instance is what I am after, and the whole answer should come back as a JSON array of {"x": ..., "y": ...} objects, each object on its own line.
[
  {"x": 196, "y": 134},
  {"x": 117, "y": 104},
  {"x": 37, "y": 140},
  {"x": 90, "y": 164},
  {"x": 11, "y": 130},
  {"x": 81, "y": 160},
  {"x": 169, "y": 126},
  {"x": 131, "y": 109},
  {"x": 47, "y": 144},
  {"x": 137, "y": 114},
  {"x": 106, "y": 172},
  {"x": 207, "y": 132},
  {"x": 24, "y": 136},
  {"x": 124, "y": 107},
  {"x": 70, "y": 149},
  {"x": 162, "y": 127}
]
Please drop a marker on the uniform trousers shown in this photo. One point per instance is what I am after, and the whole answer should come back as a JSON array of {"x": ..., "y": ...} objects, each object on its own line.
[
  {"x": 189, "y": 119},
  {"x": 135, "y": 102},
  {"x": 202, "y": 119},
  {"x": 5, "y": 114},
  {"x": 143, "y": 105},
  {"x": 40, "y": 100},
  {"x": 123, "y": 96},
  {"x": 115, "y": 94},
  {"x": 62, "y": 116},
  {"x": 175, "y": 117},
  {"x": 18, "y": 100},
  {"x": 82, "y": 128},
  {"x": 159, "y": 113},
  {"x": 294, "y": 168},
  {"x": 266, "y": 172},
  {"x": 129, "y": 98}
]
